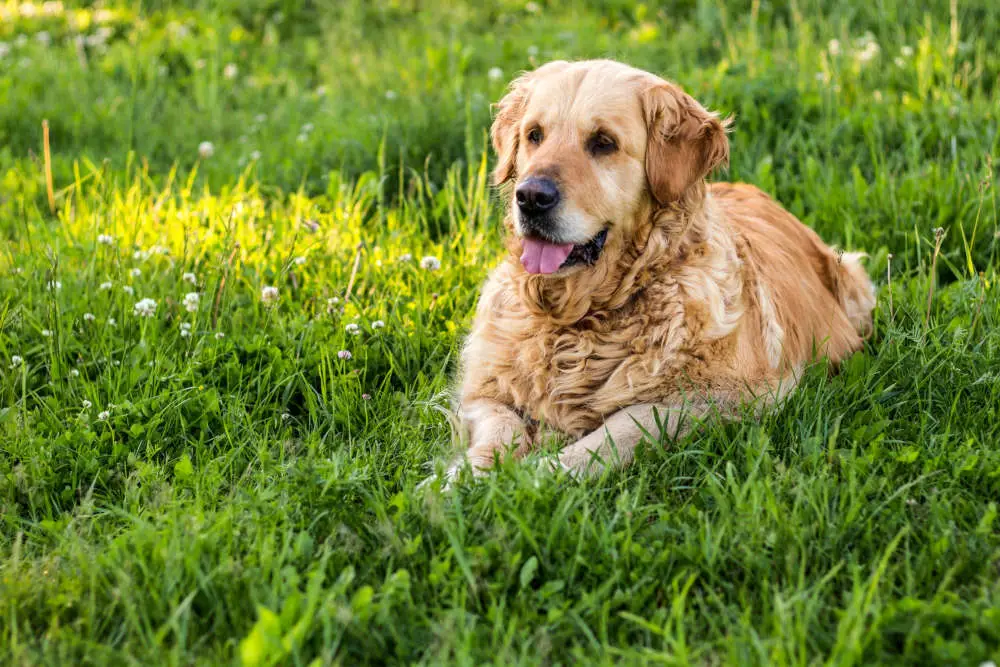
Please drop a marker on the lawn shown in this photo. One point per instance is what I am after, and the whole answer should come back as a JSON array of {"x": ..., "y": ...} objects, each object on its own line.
[{"x": 227, "y": 341}]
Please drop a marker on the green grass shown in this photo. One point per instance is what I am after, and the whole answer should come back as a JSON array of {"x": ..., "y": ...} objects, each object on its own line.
[{"x": 250, "y": 495}]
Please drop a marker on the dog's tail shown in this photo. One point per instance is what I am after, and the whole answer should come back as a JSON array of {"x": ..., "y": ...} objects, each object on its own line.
[{"x": 855, "y": 291}]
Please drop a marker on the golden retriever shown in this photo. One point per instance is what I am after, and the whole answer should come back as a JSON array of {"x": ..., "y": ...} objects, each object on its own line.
[{"x": 635, "y": 293}]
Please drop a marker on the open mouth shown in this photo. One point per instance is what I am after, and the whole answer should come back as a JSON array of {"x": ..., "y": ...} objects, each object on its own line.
[{"x": 540, "y": 255}]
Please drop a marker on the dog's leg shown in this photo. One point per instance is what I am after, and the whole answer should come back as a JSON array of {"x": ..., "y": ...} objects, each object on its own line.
[
  {"x": 614, "y": 443},
  {"x": 493, "y": 430}
]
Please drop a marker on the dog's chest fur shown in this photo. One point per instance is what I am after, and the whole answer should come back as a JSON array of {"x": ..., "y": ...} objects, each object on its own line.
[{"x": 571, "y": 377}]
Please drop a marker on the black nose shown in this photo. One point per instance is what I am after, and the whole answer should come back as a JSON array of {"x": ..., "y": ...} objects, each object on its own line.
[{"x": 536, "y": 195}]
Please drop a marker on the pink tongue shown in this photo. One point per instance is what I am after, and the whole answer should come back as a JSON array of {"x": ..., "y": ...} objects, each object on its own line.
[{"x": 543, "y": 257}]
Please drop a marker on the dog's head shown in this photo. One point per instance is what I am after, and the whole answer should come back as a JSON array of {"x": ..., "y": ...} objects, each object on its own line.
[{"x": 591, "y": 147}]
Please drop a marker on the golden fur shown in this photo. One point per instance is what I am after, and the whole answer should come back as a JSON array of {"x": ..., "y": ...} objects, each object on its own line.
[{"x": 705, "y": 297}]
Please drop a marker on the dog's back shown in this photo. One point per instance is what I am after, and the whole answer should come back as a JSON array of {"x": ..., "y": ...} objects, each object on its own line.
[{"x": 822, "y": 301}]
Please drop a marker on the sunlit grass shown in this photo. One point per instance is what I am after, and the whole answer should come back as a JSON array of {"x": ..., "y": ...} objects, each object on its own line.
[{"x": 224, "y": 372}]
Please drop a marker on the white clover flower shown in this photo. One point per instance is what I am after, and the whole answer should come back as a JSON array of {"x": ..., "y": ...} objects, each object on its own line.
[
  {"x": 53, "y": 285},
  {"x": 255, "y": 156},
  {"x": 532, "y": 7},
  {"x": 260, "y": 118},
  {"x": 178, "y": 30},
  {"x": 105, "y": 239},
  {"x": 74, "y": 373},
  {"x": 268, "y": 294},
  {"x": 89, "y": 317},
  {"x": 532, "y": 51},
  {"x": 300, "y": 260},
  {"x": 320, "y": 91},
  {"x": 185, "y": 326},
  {"x": 185, "y": 333},
  {"x": 16, "y": 360},
  {"x": 378, "y": 324},
  {"x": 219, "y": 335},
  {"x": 333, "y": 301},
  {"x": 98, "y": 39},
  {"x": 285, "y": 416},
  {"x": 899, "y": 62},
  {"x": 145, "y": 308},
  {"x": 137, "y": 255},
  {"x": 405, "y": 257},
  {"x": 47, "y": 333},
  {"x": 206, "y": 149},
  {"x": 128, "y": 289},
  {"x": 112, "y": 322},
  {"x": 200, "y": 63},
  {"x": 833, "y": 46},
  {"x": 353, "y": 329},
  {"x": 302, "y": 138},
  {"x": 866, "y": 54},
  {"x": 191, "y": 300},
  {"x": 390, "y": 94},
  {"x": 135, "y": 273},
  {"x": 43, "y": 37},
  {"x": 190, "y": 278},
  {"x": 230, "y": 71},
  {"x": 307, "y": 128},
  {"x": 103, "y": 415},
  {"x": 344, "y": 354},
  {"x": 906, "y": 51},
  {"x": 4, "y": 49},
  {"x": 495, "y": 74},
  {"x": 431, "y": 263},
  {"x": 87, "y": 404}
]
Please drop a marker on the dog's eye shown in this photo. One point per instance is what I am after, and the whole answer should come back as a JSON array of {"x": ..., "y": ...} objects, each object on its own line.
[
  {"x": 535, "y": 135},
  {"x": 601, "y": 144}
]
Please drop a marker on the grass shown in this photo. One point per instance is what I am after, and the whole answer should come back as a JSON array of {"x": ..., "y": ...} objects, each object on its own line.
[{"x": 244, "y": 493}]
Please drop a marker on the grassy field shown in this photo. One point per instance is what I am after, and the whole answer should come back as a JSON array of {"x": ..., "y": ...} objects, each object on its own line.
[{"x": 209, "y": 454}]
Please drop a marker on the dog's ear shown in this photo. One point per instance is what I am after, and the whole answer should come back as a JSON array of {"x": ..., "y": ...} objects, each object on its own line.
[
  {"x": 506, "y": 128},
  {"x": 685, "y": 143}
]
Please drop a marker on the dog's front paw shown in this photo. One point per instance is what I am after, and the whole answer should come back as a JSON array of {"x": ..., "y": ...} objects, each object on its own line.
[
  {"x": 552, "y": 464},
  {"x": 452, "y": 475},
  {"x": 579, "y": 462},
  {"x": 429, "y": 482}
]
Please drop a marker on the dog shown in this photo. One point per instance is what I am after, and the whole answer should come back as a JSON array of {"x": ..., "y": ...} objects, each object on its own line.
[{"x": 636, "y": 298}]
